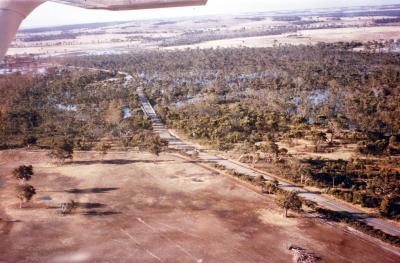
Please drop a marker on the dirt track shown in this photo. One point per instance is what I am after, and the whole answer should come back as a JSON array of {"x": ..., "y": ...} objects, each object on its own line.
[{"x": 135, "y": 207}]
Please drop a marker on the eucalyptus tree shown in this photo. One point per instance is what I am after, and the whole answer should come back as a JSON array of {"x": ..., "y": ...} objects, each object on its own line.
[
  {"x": 288, "y": 200},
  {"x": 23, "y": 173},
  {"x": 25, "y": 193}
]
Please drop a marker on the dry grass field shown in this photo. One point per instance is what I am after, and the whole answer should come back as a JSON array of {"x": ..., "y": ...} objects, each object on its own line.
[
  {"x": 136, "y": 207},
  {"x": 305, "y": 37},
  {"x": 246, "y": 30}
]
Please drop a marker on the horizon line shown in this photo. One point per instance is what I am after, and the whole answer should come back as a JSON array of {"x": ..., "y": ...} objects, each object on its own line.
[{"x": 333, "y": 9}]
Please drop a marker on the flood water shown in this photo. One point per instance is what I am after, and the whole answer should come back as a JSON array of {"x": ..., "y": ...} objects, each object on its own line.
[
  {"x": 126, "y": 113},
  {"x": 67, "y": 107}
]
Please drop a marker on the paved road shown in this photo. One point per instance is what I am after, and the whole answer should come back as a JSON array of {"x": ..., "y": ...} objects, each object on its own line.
[{"x": 203, "y": 155}]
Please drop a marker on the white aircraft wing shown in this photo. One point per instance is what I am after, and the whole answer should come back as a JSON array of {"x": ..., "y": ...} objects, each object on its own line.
[{"x": 131, "y": 4}]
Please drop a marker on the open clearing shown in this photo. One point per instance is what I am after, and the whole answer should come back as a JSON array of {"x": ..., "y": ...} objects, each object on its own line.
[{"x": 135, "y": 207}]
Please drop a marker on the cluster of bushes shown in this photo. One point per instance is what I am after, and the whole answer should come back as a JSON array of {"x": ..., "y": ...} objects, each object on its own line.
[
  {"x": 267, "y": 186},
  {"x": 373, "y": 148},
  {"x": 385, "y": 144},
  {"x": 362, "y": 198},
  {"x": 258, "y": 181},
  {"x": 390, "y": 207}
]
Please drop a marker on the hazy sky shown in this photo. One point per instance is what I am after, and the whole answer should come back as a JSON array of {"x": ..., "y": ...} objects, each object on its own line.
[{"x": 50, "y": 14}]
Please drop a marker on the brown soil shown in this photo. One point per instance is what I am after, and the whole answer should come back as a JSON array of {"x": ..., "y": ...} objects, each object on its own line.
[{"x": 135, "y": 207}]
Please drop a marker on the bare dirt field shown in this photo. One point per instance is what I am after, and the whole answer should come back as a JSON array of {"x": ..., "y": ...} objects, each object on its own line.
[{"x": 135, "y": 207}]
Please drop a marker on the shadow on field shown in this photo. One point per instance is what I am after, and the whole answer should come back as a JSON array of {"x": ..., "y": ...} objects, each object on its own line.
[
  {"x": 199, "y": 161},
  {"x": 101, "y": 213},
  {"x": 82, "y": 205},
  {"x": 118, "y": 161},
  {"x": 337, "y": 216},
  {"x": 91, "y": 205},
  {"x": 88, "y": 211},
  {"x": 91, "y": 190}
]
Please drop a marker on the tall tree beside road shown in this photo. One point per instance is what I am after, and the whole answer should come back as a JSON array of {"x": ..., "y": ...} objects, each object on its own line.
[{"x": 288, "y": 200}]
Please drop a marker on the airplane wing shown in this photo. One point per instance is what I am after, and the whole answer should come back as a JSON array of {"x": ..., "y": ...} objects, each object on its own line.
[
  {"x": 12, "y": 12},
  {"x": 131, "y": 4}
]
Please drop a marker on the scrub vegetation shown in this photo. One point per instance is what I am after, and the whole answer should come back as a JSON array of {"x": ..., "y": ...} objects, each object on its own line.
[{"x": 69, "y": 109}]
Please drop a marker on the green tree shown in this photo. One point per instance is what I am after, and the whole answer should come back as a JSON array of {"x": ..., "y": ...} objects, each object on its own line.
[
  {"x": 270, "y": 147},
  {"x": 318, "y": 137},
  {"x": 388, "y": 207},
  {"x": 271, "y": 186},
  {"x": 62, "y": 150},
  {"x": 104, "y": 148},
  {"x": 333, "y": 129},
  {"x": 30, "y": 140},
  {"x": 394, "y": 146},
  {"x": 155, "y": 144},
  {"x": 288, "y": 200},
  {"x": 25, "y": 193},
  {"x": 23, "y": 173},
  {"x": 305, "y": 174}
]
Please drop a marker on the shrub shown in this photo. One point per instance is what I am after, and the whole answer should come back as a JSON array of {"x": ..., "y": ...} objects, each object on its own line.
[
  {"x": 30, "y": 140},
  {"x": 62, "y": 149},
  {"x": 23, "y": 173}
]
